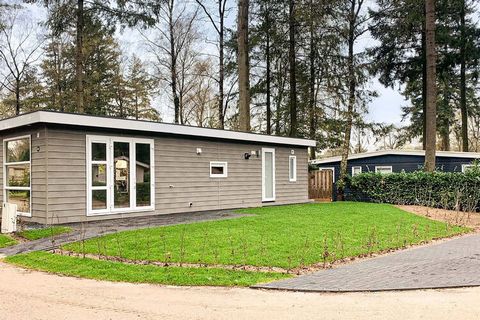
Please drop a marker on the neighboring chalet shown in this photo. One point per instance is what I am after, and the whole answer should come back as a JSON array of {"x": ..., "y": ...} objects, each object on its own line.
[
  {"x": 60, "y": 168},
  {"x": 396, "y": 161}
]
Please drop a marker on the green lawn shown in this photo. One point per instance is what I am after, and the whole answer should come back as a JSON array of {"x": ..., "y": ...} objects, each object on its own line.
[
  {"x": 115, "y": 271},
  {"x": 280, "y": 236},
  {"x": 34, "y": 234},
  {"x": 6, "y": 241}
]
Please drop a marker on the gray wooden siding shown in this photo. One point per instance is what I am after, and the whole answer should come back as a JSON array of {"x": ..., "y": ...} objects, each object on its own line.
[{"x": 181, "y": 176}]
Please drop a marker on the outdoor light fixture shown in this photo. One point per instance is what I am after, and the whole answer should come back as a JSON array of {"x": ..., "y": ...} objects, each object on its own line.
[
  {"x": 292, "y": 151},
  {"x": 199, "y": 151},
  {"x": 247, "y": 155}
]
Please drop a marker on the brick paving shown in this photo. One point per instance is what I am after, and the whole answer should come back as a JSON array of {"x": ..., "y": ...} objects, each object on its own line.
[
  {"x": 98, "y": 228},
  {"x": 453, "y": 263}
]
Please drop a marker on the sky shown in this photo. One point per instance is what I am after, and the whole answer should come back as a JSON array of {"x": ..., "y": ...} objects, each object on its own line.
[{"x": 386, "y": 108}]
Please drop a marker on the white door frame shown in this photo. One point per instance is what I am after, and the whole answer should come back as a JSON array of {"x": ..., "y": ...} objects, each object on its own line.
[{"x": 266, "y": 150}]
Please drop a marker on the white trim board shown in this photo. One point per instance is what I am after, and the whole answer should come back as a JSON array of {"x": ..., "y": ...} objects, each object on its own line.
[
  {"x": 450, "y": 154},
  {"x": 147, "y": 126}
]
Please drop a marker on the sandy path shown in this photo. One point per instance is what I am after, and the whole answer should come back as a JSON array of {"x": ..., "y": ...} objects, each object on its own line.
[{"x": 34, "y": 295}]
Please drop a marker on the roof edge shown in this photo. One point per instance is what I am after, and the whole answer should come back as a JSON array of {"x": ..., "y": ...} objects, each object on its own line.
[
  {"x": 54, "y": 117},
  {"x": 451, "y": 154}
]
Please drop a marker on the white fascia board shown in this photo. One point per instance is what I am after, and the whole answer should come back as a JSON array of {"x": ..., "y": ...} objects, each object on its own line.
[
  {"x": 147, "y": 126},
  {"x": 448, "y": 154}
]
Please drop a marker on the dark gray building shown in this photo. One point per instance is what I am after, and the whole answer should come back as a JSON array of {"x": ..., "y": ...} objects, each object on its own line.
[{"x": 396, "y": 161}]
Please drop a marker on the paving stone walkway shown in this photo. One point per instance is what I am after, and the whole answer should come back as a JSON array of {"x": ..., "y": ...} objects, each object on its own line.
[
  {"x": 453, "y": 263},
  {"x": 98, "y": 228}
]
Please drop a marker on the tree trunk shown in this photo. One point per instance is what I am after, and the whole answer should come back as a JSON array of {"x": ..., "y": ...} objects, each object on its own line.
[
  {"x": 268, "y": 76},
  {"x": 243, "y": 66},
  {"x": 17, "y": 96},
  {"x": 311, "y": 92},
  {"x": 79, "y": 58},
  {"x": 463, "y": 81},
  {"x": 351, "y": 100},
  {"x": 221, "y": 76},
  {"x": 424, "y": 86},
  {"x": 431, "y": 126},
  {"x": 173, "y": 62},
  {"x": 292, "y": 62}
]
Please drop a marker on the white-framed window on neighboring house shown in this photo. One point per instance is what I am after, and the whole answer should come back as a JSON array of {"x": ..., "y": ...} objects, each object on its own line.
[
  {"x": 466, "y": 167},
  {"x": 17, "y": 184},
  {"x": 383, "y": 169},
  {"x": 292, "y": 168},
  {"x": 120, "y": 175},
  {"x": 329, "y": 169},
  {"x": 218, "y": 169},
  {"x": 356, "y": 170}
]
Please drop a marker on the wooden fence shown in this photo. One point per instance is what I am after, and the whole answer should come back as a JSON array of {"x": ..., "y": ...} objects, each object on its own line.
[{"x": 320, "y": 185}]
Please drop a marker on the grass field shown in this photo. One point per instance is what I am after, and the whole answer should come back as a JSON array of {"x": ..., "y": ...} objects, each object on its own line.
[
  {"x": 281, "y": 236},
  {"x": 116, "y": 271},
  {"x": 6, "y": 241},
  {"x": 285, "y": 237},
  {"x": 35, "y": 234}
]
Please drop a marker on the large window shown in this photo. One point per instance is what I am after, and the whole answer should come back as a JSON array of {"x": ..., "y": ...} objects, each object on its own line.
[
  {"x": 120, "y": 175},
  {"x": 16, "y": 173}
]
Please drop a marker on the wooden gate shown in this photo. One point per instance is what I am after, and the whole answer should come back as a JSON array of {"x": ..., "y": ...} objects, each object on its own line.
[{"x": 320, "y": 185}]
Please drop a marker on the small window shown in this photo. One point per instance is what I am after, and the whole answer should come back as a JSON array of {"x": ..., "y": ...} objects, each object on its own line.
[
  {"x": 292, "y": 168},
  {"x": 467, "y": 167},
  {"x": 218, "y": 169},
  {"x": 383, "y": 169},
  {"x": 356, "y": 170}
]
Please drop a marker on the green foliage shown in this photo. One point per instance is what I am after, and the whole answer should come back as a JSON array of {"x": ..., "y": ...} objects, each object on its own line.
[
  {"x": 447, "y": 190},
  {"x": 116, "y": 271}
]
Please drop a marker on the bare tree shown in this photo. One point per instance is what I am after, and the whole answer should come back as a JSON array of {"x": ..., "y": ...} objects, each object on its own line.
[
  {"x": 19, "y": 51},
  {"x": 355, "y": 28},
  {"x": 173, "y": 43},
  {"x": 218, "y": 23},
  {"x": 292, "y": 62},
  {"x": 243, "y": 66},
  {"x": 431, "y": 96}
]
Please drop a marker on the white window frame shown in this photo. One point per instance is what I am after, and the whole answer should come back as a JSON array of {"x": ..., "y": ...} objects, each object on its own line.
[
  {"x": 219, "y": 164},
  {"x": 264, "y": 198},
  {"x": 377, "y": 168},
  {"x": 5, "y": 173},
  {"x": 329, "y": 168},
  {"x": 292, "y": 170},
  {"x": 109, "y": 141},
  {"x": 467, "y": 166},
  {"x": 356, "y": 167}
]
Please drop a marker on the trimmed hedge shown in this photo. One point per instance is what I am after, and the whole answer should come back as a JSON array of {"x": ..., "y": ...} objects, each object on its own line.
[{"x": 446, "y": 190}]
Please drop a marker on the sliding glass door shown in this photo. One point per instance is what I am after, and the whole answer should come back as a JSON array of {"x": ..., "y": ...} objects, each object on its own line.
[{"x": 119, "y": 175}]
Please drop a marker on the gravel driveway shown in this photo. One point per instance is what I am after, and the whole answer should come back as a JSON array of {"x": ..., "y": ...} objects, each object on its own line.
[{"x": 34, "y": 295}]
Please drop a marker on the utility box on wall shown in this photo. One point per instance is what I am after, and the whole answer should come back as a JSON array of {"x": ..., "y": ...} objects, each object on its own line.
[{"x": 9, "y": 217}]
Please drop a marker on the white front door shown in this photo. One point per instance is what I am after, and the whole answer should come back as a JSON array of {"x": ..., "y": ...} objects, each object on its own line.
[{"x": 268, "y": 174}]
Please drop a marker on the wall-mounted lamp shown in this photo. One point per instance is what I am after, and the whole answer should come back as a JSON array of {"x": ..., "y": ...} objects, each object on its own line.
[
  {"x": 292, "y": 151},
  {"x": 199, "y": 151},
  {"x": 247, "y": 155}
]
